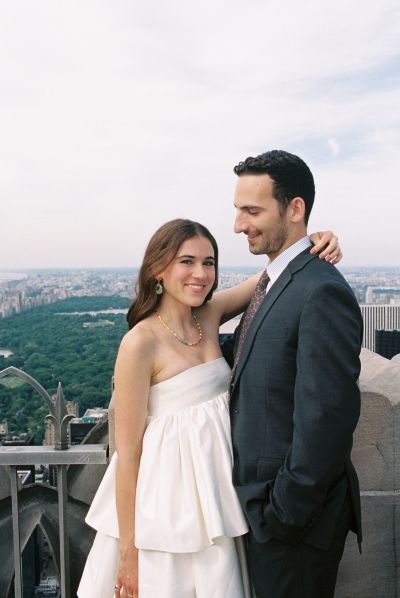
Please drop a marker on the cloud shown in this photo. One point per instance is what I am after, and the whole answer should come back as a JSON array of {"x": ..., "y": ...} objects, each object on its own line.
[
  {"x": 119, "y": 116},
  {"x": 334, "y": 146}
]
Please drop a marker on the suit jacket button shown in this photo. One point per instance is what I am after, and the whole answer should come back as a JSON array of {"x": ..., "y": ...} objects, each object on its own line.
[{"x": 236, "y": 411}]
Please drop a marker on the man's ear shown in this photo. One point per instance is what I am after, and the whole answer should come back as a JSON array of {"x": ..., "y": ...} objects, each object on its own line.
[{"x": 297, "y": 209}]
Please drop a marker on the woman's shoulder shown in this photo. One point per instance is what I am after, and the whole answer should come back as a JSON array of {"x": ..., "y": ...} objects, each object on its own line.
[{"x": 141, "y": 338}]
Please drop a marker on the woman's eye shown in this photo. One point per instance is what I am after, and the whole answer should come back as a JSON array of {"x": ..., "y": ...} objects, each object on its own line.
[
  {"x": 186, "y": 262},
  {"x": 211, "y": 264}
]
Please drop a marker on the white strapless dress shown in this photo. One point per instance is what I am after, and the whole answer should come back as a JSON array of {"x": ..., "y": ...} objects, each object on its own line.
[{"x": 185, "y": 499}]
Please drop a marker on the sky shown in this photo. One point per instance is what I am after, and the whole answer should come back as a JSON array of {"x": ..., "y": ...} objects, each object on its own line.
[{"x": 118, "y": 115}]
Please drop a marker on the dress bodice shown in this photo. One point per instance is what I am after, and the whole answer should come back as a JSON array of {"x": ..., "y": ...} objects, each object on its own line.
[
  {"x": 184, "y": 496},
  {"x": 191, "y": 387}
]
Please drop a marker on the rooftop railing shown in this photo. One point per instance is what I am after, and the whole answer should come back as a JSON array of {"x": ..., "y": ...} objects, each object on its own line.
[{"x": 60, "y": 455}]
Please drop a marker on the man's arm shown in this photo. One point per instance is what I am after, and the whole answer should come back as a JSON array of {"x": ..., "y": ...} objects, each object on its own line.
[
  {"x": 228, "y": 343},
  {"x": 326, "y": 410}
]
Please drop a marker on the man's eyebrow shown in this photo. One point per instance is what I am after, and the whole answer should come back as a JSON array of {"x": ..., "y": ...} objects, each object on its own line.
[{"x": 249, "y": 207}]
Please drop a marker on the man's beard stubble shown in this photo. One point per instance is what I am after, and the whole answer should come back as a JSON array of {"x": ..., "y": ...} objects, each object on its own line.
[{"x": 273, "y": 244}]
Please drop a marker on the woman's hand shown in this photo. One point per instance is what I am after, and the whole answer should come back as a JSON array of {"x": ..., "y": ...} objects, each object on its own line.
[
  {"x": 126, "y": 583},
  {"x": 133, "y": 370},
  {"x": 327, "y": 245}
]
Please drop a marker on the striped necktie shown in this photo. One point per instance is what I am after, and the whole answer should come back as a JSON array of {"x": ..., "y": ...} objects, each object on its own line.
[{"x": 255, "y": 302}]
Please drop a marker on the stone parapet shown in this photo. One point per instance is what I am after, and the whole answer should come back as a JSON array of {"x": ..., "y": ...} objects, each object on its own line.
[{"x": 376, "y": 574}]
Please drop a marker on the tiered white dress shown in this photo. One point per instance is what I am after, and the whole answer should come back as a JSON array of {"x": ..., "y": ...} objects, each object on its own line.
[{"x": 187, "y": 511}]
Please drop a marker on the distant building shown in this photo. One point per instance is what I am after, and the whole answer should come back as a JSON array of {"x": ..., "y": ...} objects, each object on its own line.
[
  {"x": 27, "y": 475},
  {"x": 81, "y": 426},
  {"x": 51, "y": 475},
  {"x": 24, "y": 439},
  {"x": 95, "y": 414},
  {"x": 387, "y": 343},
  {"x": 378, "y": 317},
  {"x": 48, "y": 588},
  {"x": 30, "y": 566},
  {"x": 79, "y": 429},
  {"x": 18, "y": 302},
  {"x": 382, "y": 295}
]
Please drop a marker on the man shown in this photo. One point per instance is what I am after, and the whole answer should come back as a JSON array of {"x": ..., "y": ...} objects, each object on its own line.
[{"x": 294, "y": 396}]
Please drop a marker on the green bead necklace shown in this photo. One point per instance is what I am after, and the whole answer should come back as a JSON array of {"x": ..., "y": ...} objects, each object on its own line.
[{"x": 179, "y": 338}]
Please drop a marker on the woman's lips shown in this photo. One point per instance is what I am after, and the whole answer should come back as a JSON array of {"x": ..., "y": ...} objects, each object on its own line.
[{"x": 196, "y": 288}]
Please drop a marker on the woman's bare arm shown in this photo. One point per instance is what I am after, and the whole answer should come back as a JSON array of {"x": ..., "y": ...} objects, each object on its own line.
[
  {"x": 231, "y": 302},
  {"x": 133, "y": 371}
]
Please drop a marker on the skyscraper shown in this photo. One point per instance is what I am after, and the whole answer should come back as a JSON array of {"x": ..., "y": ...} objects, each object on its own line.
[
  {"x": 387, "y": 343},
  {"x": 378, "y": 317}
]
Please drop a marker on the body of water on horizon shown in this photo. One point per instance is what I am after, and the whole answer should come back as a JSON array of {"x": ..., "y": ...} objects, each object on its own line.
[
  {"x": 12, "y": 276},
  {"x": 92, "y": 313}
]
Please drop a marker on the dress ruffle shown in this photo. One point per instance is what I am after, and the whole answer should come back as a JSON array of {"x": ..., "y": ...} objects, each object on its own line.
[{"x": 185, "y": 497}]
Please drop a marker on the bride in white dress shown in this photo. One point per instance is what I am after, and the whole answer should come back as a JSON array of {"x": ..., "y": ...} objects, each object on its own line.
[{"x": 166, "y": 513}]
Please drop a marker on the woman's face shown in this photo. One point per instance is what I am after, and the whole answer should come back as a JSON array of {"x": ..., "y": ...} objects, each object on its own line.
[{"x": 191, "y": 274}]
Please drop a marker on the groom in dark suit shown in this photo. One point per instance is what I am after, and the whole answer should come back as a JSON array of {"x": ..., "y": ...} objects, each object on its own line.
[{"x": 294, "y": 396}]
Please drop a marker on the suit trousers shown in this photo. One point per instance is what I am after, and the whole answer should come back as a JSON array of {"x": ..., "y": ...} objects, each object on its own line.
[{"x": 280, "y": 570}]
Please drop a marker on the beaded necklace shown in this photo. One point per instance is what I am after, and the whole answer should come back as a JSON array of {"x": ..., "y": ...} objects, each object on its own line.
[{"x": 179, "y": 338}]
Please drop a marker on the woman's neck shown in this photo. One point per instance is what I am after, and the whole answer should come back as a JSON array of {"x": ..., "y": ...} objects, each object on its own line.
[{"x": 178, "y": 313}]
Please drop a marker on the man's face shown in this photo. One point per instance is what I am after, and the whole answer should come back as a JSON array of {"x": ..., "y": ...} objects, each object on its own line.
[{"x": 258, "y": 215}]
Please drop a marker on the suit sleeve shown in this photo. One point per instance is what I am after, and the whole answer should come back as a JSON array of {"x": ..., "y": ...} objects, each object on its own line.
[
  {"x": 326, "y": 410},
  {"x": 228, "y": 344}
]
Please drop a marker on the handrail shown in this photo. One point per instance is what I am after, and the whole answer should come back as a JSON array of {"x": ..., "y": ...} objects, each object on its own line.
[
  {"x": 58, "y": 410},
  {"x": 61, "y": 455}
]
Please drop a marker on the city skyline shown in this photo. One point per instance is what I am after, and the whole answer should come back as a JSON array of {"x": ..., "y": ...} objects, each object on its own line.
[
  {"x": 42, "y": 287},
  {"x": 20, "y": 274},
  {"x": 118, "y": 117}
]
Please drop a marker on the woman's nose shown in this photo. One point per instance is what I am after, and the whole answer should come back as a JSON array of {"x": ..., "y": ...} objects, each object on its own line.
[{"x": 198, "y": 271}]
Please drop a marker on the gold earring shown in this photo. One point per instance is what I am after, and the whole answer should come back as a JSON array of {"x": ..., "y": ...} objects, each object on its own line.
[{"x": 159, "y": 288}]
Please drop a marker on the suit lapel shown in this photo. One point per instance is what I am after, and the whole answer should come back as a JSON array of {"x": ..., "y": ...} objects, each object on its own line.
[
  {"x": 261, "y": 313},
  {"x": 273, "y": 294}
]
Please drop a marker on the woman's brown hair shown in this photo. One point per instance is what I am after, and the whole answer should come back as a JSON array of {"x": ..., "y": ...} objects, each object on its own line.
[{"x": 161, "y": 250}]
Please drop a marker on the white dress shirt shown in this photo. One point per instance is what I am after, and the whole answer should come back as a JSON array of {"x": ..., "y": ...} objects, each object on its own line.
[{"x": 276, "y": 267}]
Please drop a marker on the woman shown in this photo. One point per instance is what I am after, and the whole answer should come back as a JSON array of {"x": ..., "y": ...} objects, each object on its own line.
[{"x": 166, "y": 511}]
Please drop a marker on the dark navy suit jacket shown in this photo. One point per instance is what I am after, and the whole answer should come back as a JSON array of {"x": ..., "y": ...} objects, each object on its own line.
[{"x": 294, "y": 406}]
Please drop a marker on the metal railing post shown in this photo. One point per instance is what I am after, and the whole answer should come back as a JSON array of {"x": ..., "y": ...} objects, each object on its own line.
[
  {"x": 61, "y": 455},
  {"x": 16, "y": 534},
  {"x": 63, "y": 527}
]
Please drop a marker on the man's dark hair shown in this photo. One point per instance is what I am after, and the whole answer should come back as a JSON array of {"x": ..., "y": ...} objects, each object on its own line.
[{"x": 291, "y": 176}]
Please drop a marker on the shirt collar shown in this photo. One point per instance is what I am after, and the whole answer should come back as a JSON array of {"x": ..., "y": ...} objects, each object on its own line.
[{"x": 277, "y": 266}]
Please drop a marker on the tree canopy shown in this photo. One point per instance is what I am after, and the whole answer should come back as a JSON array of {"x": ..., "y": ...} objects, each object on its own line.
[{"x": 59, "y": 348}]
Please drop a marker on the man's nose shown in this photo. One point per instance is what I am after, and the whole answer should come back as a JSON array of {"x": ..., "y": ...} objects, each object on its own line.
[{"x": 240, "y": 224}]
